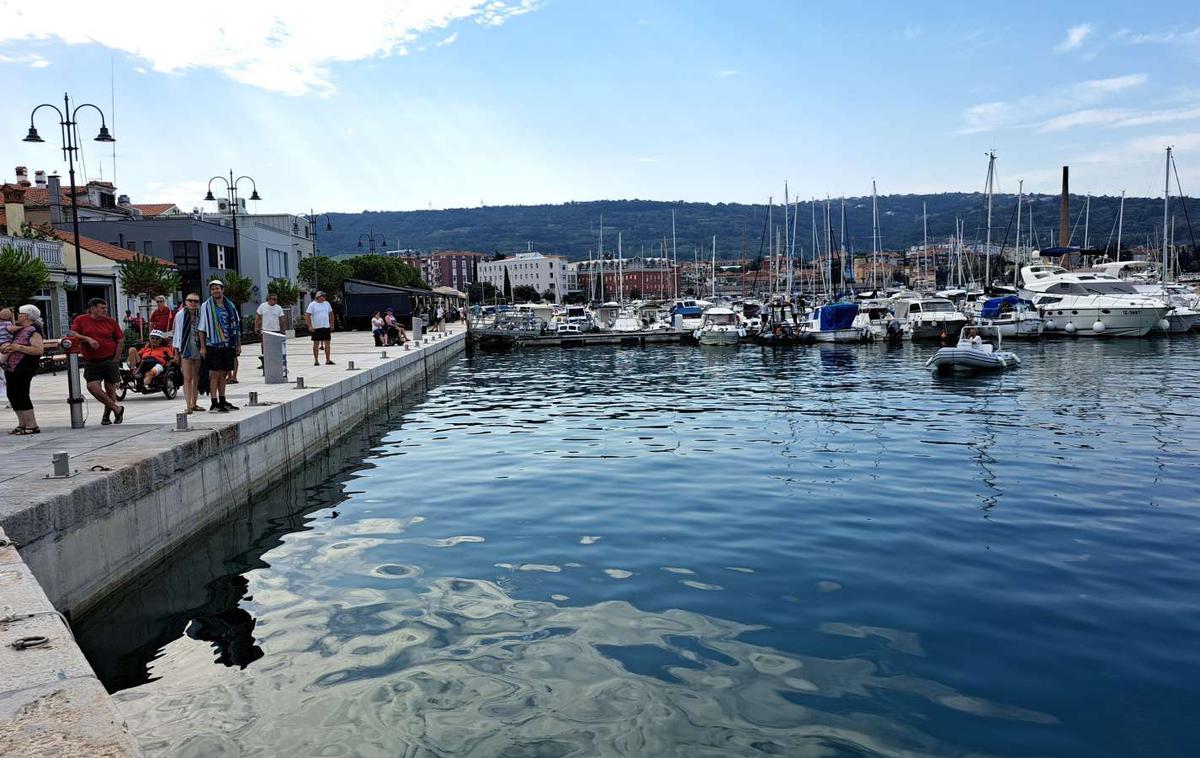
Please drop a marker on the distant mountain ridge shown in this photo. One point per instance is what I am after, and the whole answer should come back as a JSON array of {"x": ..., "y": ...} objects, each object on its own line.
[{"x": 571, "y": 229}]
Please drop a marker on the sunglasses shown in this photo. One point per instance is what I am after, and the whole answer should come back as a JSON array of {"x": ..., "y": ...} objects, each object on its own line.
[{"x": 193, "y": 300}]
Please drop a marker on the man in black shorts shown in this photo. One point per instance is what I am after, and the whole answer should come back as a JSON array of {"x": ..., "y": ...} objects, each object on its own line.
[
  {"x": 220, "y": 332},
  {"x": 319, "y": 316},
  {"x": 100, "y": 340}
]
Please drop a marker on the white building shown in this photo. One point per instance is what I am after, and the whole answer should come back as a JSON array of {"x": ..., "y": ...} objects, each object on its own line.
[{"x": 545, "y": 273}]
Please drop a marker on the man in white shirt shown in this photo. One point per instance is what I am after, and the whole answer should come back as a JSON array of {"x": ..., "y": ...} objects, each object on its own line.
[
  {"x": 319, "y": 316},
  {"x": 269, "y": 317}
]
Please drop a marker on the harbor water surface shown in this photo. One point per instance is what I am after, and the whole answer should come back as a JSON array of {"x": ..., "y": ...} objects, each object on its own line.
[{"x": 703, "y": 552}]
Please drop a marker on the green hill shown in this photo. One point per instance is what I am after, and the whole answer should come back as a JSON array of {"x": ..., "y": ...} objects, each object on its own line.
[{"x": 571, "y": 229}]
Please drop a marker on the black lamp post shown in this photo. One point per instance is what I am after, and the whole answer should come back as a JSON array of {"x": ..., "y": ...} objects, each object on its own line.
[
  {"x": 69, "y": 130},
  {"x": 371, "y": 238},
  {"x": 311, "y": 219},
  {"x": 231, "y": 191}
]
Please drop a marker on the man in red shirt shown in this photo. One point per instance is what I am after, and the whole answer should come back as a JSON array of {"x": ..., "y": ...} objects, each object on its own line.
[
  {"x": 100, "y": 340},
  {"x": 161, "y": 317}
]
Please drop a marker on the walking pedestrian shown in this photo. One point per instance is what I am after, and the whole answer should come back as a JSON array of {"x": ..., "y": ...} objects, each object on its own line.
[
  {"x": 20, "y": 357},
  {"x": 319, "y": 316},
  {"x": 101, "y": 339},
  {"x": 220, "y": 342},
  {"x": 187, "y": 341}
]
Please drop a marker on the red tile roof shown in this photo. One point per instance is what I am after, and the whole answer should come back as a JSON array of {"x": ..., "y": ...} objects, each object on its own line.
[
  {"x": 155, "y": 209},
  {"x": 103, "y": 249}
]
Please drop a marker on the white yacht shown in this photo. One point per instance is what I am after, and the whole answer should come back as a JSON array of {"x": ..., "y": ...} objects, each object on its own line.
[
  {"x": 1185, "y": 306},
  {"x": 720, "y": 326},
  {"x": 835, "y": 323},
  {"x": 1091, "y": 304},
  {"x": 929, "y": 318},
  {"x": 874, "y": 315},
  {"x": 1012, "y": 316}
]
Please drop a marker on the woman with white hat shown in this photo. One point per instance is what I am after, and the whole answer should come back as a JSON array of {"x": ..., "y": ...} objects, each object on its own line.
[{"x": 20, "y": 359}]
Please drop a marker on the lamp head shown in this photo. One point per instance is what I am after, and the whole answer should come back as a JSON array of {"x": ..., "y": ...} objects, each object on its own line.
[
  {"x": 104, "y": 136},
  {"x": 328, "y": 226},
  {"x": 254, "y": 195},
  {"x": 209, "y": 197},
  {"x": 33, "y": 136}
]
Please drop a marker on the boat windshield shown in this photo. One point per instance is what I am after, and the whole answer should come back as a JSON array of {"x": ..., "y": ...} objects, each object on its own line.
[
  {"x": 1110, "y": 288},
  {"x": 935, "y": 306},
  {"x": 722, "y": 319}
]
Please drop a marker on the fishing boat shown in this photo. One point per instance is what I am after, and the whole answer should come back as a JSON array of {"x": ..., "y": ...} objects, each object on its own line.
[
  {"x": 720, "y": 326},
  {"x": 834, "y": 322},
  {"x": 1091, "y": 304},
  {"x": 929, "y": 318},
  {"x": 1013, "y": 316},
  {"x": 973, "y": 353}
]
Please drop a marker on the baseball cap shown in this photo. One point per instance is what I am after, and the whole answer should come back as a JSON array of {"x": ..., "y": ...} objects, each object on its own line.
[{"x": 217, "y": 282}]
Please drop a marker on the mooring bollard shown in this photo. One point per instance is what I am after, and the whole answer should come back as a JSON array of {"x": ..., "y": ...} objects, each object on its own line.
[
  {"x": 407, "y": 346},
  {"x": 181, "y": 424},
  {"x": 253, "y": 398},
  {"x": 62, "y": 463},
  {"x": 299, "y": 382},
  {"x": 349, "y": 365},
  {"x": 383, "y": 354}
]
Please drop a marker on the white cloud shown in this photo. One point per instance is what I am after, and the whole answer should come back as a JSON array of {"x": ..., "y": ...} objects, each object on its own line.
[
  {"x": 1127, "y": 37},
  {"x": 33, "y": 60},
  {"x": 279, "y": 45},
  {"x": 448, "y": 40},
  {"x": 911, "y": 32},
  {"x": 1037, "y": 110},
  {"x": 1119, "y": 118},
  {"x": 1075, "y": 37},
  {"x": 725, "y": 73}
]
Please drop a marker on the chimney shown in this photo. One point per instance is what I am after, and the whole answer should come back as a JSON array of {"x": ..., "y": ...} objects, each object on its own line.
[
  {"x": 14, "y": 208},
  {"x": 39, "y": 179},
  {"x": 54, "y": 192},
  {"x": 1064, "y": 213},
  {"x": 23, "y": 177}
]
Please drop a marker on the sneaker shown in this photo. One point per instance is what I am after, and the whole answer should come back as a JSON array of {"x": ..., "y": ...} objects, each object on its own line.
[
  {"x": 219, "y": 408},
  {"x": 119, "y": 416},
  {"x": 107, "y": 417},
  {"x": 228, "y": 406},
  {"x": 316, "y": 363},
  {"x": 330, "y": 363},
  {"x": 215, "y": 406}
]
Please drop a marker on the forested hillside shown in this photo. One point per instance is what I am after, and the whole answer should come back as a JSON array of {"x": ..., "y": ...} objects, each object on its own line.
[{"x": 572, "y": 229}]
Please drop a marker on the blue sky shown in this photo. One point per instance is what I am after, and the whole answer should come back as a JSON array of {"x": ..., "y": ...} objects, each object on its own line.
[{"x": 449, "y": 103}]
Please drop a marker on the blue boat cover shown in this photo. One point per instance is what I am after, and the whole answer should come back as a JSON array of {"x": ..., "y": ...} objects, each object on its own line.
[
  {"x": 991, "y": 308},
  {"x": 838, "y": 316}
]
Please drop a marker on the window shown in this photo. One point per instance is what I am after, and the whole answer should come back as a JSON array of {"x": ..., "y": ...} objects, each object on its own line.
[
  {"x": 131, "y": 246},
  {"x": 148, "y": 247},
  {"x": 218, "y": 252},
  {"x": 186, "y": 255},
  {"x": 277, "y": 264}
]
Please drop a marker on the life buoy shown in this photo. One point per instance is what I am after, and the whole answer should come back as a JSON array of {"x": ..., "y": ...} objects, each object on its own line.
[{"x": 779, "y": 331}]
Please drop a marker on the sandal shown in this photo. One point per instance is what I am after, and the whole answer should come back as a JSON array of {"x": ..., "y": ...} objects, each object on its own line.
[
  {"x": 23, "y": 430},
  {"x": 197, "y": 409},
  {"x": 119, "y": 416}
]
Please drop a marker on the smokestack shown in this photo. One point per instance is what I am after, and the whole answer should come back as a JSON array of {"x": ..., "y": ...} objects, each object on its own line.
[
  {"x": 54, "y": 194},
  {"x": 23, "y": 177},
  {"x": 39, "y": 179},
  {"x": 1064, "y": 212}
]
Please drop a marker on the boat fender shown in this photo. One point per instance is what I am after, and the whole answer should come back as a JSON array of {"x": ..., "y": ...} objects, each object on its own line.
[
  {"x": 1164, "y": 324},
  {"x": 1098, "y": 327},
  {"x": 1050, "y": 325},
  {"x": 1070, "y": 327}
]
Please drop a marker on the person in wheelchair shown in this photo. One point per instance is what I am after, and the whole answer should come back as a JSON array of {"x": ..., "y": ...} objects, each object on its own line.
[{"x": 151, "y": 360}]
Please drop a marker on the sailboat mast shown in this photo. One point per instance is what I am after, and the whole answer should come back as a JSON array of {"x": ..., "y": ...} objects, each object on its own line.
[
  {"x": 714, "y": 268},
  {"x": 602, "y": 257},
  {"x": 786, "y": 227},
  {"x": 1166, "y": 211},
  {"x": 827, "y": 272},
  {"x": 1087, "y": 217},
  {"x": 1120, "y": 223},
  {"x": 620, "y": 271},
  {"x": 925, "y": 246},
  {"x": 792, "y": 254},
  {"x": 874, "y": 239},
  {"x": 675, "y": 256},
  {"x": 816, "y": 244},
  {"x": 987, "y": 276},
  {"x": 842, "y": 247},
  {"x": 1017, "y": 253}
]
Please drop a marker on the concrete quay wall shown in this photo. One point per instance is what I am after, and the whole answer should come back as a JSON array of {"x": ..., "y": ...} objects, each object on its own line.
[{"x": 86, "y": 542}]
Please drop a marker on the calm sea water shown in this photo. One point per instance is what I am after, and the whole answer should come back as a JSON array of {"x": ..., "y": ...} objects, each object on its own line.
[{"x": 703, "y": 552}]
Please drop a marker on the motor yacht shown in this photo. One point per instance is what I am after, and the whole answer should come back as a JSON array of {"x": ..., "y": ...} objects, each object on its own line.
[
  {"x": 1013, "y": 316},
  {"x": 720, "y": 326},
  {"x": 834, "y": 322},
  {"x": 929, "y": 318},
  {"x": 1091, "y": 304}
]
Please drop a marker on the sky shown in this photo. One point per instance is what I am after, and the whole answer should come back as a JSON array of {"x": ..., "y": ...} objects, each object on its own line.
[{"x": 408, "y": 105}]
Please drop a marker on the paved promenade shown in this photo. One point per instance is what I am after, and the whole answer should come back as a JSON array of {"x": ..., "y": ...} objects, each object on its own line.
[{"x": 27, "y": 459}]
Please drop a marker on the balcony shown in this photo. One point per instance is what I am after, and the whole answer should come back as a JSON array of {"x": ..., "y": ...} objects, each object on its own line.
[{"x": 50, "y": 253}]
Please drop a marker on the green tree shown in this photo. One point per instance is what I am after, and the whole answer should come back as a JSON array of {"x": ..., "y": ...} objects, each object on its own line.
[
  {"x": 507, "y": 286},
  {"x": 238, "y": 288},
  {"x": 523, "y": 293},
  {"x": 147, "y": 274},
  {"x": 319, "y": 272},
  {"x": 548, "y": 296},
  {"x": 287, "y": 292},
  {"x": 385, "y": 269},
  {"x": 21, "y": 275}
]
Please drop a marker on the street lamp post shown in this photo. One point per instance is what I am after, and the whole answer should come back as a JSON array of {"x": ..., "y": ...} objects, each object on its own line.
[
  {"x": 371, "y": 240},
  {"x": 311, "y": 220},
  {"x": 69, "y": 128},
  {"x": 231, "y": 189}
]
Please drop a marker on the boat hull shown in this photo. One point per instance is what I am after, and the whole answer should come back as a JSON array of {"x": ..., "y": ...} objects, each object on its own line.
[
  {"x": 1118, "y": 322},
  {"x": 1027, "y": 328},
  {"x": 938, "y": 330},
  {"x": 965, "y": 359},
  {"x": 840, "y": 335},
  {"x": 718, "y": 338}
]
